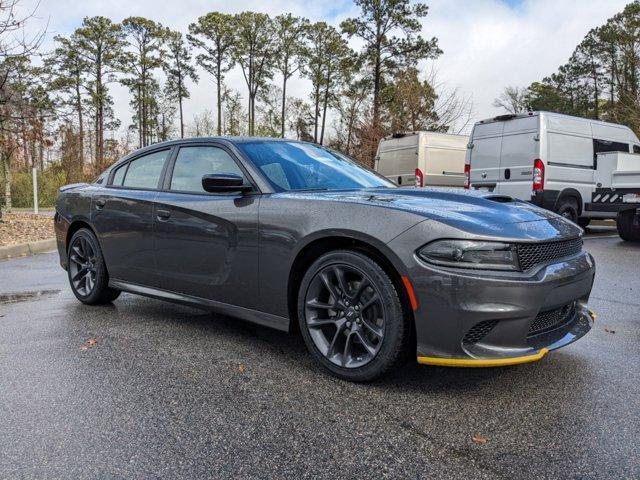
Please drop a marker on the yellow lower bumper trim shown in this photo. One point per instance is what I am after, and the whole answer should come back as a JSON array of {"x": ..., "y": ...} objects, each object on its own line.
[{"x": 478, "y": 362}]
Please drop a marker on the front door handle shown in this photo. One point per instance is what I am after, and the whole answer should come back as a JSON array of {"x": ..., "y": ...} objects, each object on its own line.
[
  {"x": 100, "y": 203},
  {"x": 163, "y": 214}
]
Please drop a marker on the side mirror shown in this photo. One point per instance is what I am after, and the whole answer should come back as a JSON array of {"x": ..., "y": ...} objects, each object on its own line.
[{"x": 224, "y": 182}]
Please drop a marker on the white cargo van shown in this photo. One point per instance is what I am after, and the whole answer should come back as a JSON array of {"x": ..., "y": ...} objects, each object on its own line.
[
  {"x": 546, "y": 158},
  {"x": 423, "y": 159}
]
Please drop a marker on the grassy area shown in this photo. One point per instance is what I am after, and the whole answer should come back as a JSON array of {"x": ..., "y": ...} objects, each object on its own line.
[{"x": 20, "y": 227}]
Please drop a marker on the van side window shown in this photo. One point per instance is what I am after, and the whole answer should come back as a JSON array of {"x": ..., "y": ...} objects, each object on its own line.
[
  {"x": 636, "y": 149},
  {"x": 600, "y": 146}
]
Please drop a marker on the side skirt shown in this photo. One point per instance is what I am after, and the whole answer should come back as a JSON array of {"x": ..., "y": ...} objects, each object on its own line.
[{"x": 254, "y": 316}]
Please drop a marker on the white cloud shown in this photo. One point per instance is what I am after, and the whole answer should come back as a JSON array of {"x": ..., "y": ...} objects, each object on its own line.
[{"x": 487, "y": 44}]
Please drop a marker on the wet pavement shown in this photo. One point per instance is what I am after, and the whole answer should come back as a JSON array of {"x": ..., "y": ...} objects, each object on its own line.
[{"x": 146, "y": 389}]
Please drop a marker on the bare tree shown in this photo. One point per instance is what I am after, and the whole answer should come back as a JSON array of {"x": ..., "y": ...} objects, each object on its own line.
[
  {"x": 15, "y": 43},
  {"x": 512, "y": 99}
]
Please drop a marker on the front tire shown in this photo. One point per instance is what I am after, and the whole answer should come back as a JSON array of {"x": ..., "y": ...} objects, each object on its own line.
[
  {"x": 628, "y": 224},
  {"x": 584, "y": 222},
  {"x": 351, "y": 317},
  {"x": 87, "y": 271}
]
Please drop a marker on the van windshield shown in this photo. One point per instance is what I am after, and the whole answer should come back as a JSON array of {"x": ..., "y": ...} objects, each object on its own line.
[{"x": 302, "y": 166}]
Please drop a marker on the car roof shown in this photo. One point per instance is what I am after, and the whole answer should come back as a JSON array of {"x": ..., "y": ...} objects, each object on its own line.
[
  {"x": 224, "y": 139},
  {"x": 233, "y": 140}
]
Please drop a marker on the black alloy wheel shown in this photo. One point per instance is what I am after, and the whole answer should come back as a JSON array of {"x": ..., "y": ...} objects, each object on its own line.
[
  {"x": 82, "y": 266},
  {"x": 351, "y": 317},
  {"x": 87, "y": 271}
]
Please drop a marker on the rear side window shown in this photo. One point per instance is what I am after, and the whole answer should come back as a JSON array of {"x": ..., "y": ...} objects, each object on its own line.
[
  {"x": 144, "y": 172},
  {"x": 194, "y": 162},
  {"x": 636, "y": 149},
  {"x": 119, "y": 175}
]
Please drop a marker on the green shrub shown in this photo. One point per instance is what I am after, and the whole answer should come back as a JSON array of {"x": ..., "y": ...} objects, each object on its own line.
[{"x": 49, "y": 181}]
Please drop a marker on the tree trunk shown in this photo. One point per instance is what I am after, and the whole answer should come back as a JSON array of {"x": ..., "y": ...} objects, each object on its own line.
[
  {"x": 7, "y": 183},
  {"x": 316, "y": 114},
  {"x": 140, "y": 130},
  {"x": 284, "y": 99},
  {"x": 324, "y": 107},
  {"x": 80, "y": 159},
  {"x": 99, "y": 119},
  {"x": 181, "y": 117}
]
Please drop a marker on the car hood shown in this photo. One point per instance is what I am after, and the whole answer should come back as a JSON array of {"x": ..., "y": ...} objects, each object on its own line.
[{"x": 475, "y": 212}]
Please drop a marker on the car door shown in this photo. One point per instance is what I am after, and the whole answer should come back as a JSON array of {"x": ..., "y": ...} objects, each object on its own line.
[
  {"x": 122, "y": 214},
  {"x": 207, "y": 243}
]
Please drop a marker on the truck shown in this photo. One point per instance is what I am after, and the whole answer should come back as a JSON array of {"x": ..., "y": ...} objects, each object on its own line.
[
  {"x": 617, "y": 192},
  {"x": 423, "y": 159},
  {"x": 549, "y": 159}
]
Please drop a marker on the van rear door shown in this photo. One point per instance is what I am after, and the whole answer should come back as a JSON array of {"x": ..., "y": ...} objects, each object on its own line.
[
  {"x": 398, "y": 159},
  {"x": 520, "y": 148},
  {"x": 485, "y": 154}
]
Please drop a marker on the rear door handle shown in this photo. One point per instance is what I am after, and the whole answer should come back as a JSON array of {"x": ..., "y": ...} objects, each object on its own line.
[
  {"x": 100, "y": 203},
  {"x": 163, "y": 214}
]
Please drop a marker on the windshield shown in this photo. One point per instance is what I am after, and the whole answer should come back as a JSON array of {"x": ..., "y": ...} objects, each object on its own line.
[{"x": 303, "y": 166}]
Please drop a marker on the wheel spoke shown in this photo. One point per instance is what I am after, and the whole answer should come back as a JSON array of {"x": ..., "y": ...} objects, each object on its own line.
[
  {"x": 342, "y": 283},
  {"x": 366, "y": 343},
  {"x": 79, "y": 254},
  {"x": 314, "y": 303},
  {"x": 83, "y": 247},
  {"x": 347, "y": 349},
  {"x": 331, "y": 351},
  {"x": 321, "y": 322},
  {"x": 335, "y": 293},
  {"x": 372, "y": 327},
  {"x": 90, "y": 282},
  {"x": 81, "y": 273},
  {"x": 373, "y": 300},
  {"x": 76, "y": 259},
  {"x": 361, "y": 288}
]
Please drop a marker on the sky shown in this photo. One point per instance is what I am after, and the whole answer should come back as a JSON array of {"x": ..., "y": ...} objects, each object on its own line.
[{"x": 487, "y": 44}]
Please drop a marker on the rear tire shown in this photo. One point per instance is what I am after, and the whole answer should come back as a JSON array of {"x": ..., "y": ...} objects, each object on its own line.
[
  {"x": 87, "y": 271},
  {"x": 628, "y": 224},
  {"x": 568, "y": 208},
  {"x": 351, "y": 317}
]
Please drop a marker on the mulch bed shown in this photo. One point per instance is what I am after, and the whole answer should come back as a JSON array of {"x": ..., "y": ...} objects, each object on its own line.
[{"x": 18, "y": 228}]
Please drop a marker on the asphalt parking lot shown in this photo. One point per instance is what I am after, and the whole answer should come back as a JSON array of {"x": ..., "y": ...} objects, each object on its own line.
[{"x": 145, "y": 389}]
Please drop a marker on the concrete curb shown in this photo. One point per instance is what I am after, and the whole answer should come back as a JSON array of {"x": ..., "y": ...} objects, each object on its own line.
[{"x": 24, "y": 249}]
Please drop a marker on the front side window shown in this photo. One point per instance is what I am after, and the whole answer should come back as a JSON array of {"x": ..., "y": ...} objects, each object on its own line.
[
  {"x": 192, "y": 163},
  {"x": 143, "y": 172},
  {"x": 636, "y": 149},
  {"x": 303, "y": 166}
]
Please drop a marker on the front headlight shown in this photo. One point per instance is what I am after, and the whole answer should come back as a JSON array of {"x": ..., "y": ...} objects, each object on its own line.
[{"x": 471, "y": 254}]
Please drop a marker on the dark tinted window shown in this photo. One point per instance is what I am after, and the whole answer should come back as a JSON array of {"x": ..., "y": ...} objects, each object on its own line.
[
  {"x": 144, "y": 172},
  {"x": 636, "y": 149},
  {"x": 303, "y": 166},
  {"x": 600, "y": 146},
  {"x": 194, "y": 162}
]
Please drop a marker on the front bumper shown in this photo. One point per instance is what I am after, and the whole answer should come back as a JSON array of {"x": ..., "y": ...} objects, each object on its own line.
[{"x": 518, "y": 317}]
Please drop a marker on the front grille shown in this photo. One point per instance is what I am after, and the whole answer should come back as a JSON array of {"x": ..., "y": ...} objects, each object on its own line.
[
  {"x": 532, "y": 254},
  {"x": 479, "y": 331},
  {"x": 551, "y": 319}
]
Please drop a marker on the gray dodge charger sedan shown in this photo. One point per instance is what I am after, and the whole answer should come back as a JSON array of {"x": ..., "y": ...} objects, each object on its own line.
[{"x": 298, "y": 237}]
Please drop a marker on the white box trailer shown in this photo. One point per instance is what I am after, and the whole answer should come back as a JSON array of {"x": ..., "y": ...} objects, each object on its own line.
[
  {"x": 423, "y": 159},
  {"x": 546, "y": 158},
  {"x": 618, "y": 191}
]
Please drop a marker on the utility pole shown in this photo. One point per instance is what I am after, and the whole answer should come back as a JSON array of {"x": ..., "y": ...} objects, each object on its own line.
[{"x": 35, "y": 190}]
